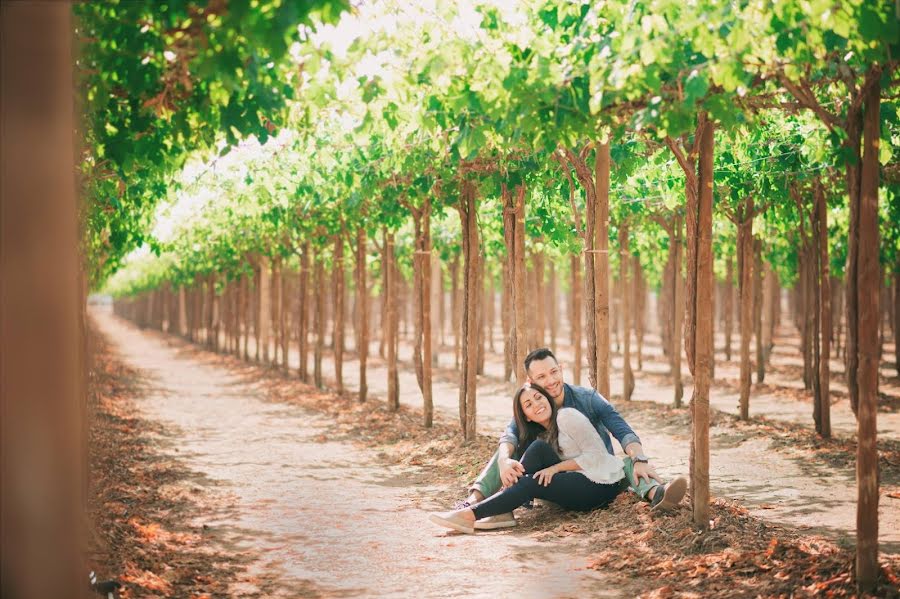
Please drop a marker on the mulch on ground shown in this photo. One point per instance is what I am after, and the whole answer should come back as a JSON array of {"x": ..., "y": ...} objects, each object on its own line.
[{"x": 140, "y": 502}]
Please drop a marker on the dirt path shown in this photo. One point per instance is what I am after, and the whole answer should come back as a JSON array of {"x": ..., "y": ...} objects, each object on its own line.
[
  {"x": 322, "y": 517},
  {"x": 781, "y": 484}
]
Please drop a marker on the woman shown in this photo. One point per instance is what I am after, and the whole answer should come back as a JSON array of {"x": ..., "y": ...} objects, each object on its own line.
[{"x": 565, "y": 462}]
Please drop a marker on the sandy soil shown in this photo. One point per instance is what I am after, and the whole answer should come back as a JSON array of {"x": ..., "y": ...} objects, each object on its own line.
[
  {"x": 330, "y": 519},
  {"x": 325, "y": 518}
]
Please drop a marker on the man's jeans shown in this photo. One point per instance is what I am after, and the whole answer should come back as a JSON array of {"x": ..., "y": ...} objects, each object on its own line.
[{"x": 488, "y": 482}]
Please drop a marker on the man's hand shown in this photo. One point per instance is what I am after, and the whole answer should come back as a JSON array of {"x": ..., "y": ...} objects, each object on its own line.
[
  {"x": 543, "y": 477},
  {"x": 510, "y": 471},
  {"x": 643, "y": 470}
]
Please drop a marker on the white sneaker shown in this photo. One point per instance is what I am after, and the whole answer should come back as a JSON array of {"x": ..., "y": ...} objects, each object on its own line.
[
  {"x": 506, "y": 520},
  {"x": 452, "y": 520}
]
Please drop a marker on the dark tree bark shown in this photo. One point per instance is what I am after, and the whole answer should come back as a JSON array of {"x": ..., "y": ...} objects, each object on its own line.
[
  {"x": 865, "y": 339},
  {"x": 697, "y": 343}
]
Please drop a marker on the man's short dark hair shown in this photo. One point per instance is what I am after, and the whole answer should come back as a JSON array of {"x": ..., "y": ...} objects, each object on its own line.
[{"x": 540, "y": 353}]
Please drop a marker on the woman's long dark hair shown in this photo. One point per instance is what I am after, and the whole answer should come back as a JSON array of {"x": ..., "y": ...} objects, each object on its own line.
[{"x": 528, "y": 430}]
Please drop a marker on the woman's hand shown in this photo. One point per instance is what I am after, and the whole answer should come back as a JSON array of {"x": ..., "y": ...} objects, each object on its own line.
[
  {"x": 543, "y": 477},
  {"x": 510, "y": 471}
]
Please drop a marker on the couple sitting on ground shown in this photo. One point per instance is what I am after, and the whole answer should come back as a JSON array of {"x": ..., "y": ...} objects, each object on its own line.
[{"x": 561, "y": 433}]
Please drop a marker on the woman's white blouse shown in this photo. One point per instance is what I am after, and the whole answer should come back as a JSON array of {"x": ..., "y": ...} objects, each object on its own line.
[{"x": 579, "y": 441}]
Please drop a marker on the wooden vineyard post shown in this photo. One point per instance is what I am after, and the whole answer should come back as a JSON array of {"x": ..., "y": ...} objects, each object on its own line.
[
  {"x": 507, "y": 306},
  {"x": 467, "y": 387},
  {"x": 602, "y": 162},
  {"x": 285, "y": 336},
  {"x": 277, "y": 308},
  {"x": 338, "y": 286},
  {"x": 479, "y": 360},
  {"x": 428, "y": 402},
  {"x": 821, "y": 235},
  {"x": 703, "y": 340},
  {"x": 700, "y": 280},
  {"x": 768, "y": 284},
  {"x": 42, "y": 381},
  {"x": 422, "y": 305},
  {"x": 745, "y": 288},
  {"x": 575, "y": 317},
  {"x": 540, "y": 320},
  {"x": 362, "y": 311},
  {"x": 867, "y": 289},
  {"x": 264, "y": 315},
  {"x": 896, "y": 314},
  {"x": 245, "y": 305},
  {"x": 455, "y": 322},
  {"x": 303, "y": 316},
  {"x": 678, "y": 301},
  {"x": 757, "y": 310},
  {"x": 437, "y": 308},
  {"x": 489, "y": 309},
  {"x": 514, "y": 236},
  {"x": 728, "y": 304},
  {"x": 639, "y": 293},
  {"x": 518, "y": 281},
  {"x": 391, "y": 325},
  {"x": 182, "y": 311},
  {"x": 319, "y": 286},
  {"x": 214, "y": 317},
  {"x": 625, "y": 292},
  {"x": 551, "y": 304}
]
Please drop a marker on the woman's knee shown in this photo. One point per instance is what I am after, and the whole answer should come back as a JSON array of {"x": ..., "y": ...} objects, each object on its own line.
[{"x": 538, "y": 446}]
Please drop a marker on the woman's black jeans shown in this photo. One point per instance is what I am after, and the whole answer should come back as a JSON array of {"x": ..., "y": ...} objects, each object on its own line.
[{"x": 570, "y": 490}]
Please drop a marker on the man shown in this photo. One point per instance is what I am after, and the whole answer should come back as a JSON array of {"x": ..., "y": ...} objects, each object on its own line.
[{"x": 503, "y": 470}]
